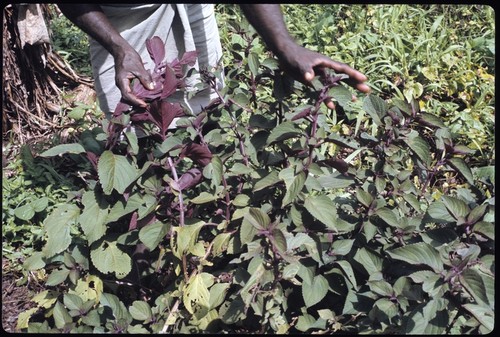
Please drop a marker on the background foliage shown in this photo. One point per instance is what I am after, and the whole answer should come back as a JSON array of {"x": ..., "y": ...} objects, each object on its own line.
[{"x": 271, "y": 213}]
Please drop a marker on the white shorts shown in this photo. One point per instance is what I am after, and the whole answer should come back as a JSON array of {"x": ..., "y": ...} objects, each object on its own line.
[{"x": 183, "y": 27}]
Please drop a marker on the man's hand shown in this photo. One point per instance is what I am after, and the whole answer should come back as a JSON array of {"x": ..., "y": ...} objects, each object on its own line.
[
  {"x": 128, "y": 66},
  {"x": 299, "y": 62},
  {"x": 304, "y": 64}
]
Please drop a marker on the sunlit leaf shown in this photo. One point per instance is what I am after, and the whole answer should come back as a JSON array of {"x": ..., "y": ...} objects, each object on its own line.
[
  {"x": 314, "y": 291},
  {"x": 108, "y": 258},
  {"x": 294, "y": 189},
  {"x": 115, "y": 172},
  {"x": 460, "y": 165},
  {"x": 376, "y": 107},
  {"x": 419, "y": 146},
  {"x": 418, "y": 254},
  {"x": 389, "y": 217},
  {"x": 152, "y": 234},
  {"x": 283, "y": 131},
  {"x": 58, "y": 227},
  {"x": 479, "y": 285},
  {"x": 323, "y": 209},
  {"x": 60, "y": 149}
]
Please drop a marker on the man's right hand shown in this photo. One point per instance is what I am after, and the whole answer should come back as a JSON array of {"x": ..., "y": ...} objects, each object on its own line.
[{"x": 128, "y": 64}]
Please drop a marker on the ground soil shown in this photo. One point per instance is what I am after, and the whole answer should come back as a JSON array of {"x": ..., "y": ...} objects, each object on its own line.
[{"x": 15, "y": 298}]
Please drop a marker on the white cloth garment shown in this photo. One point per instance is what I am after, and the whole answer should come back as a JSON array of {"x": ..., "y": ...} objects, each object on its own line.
[{"x": 183, "y": 27}]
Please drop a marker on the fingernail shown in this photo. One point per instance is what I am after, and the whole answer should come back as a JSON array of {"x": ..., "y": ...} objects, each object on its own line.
[{"x": 151, "y": 85}]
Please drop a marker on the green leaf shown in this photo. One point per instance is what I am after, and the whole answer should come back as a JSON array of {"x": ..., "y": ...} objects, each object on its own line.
[
  {"x": 62, "y": 149},
  {"x": 341, "y": 94},
  {"x": 335, "y": 181},
  {"x": 439, "y": 213},
  {"x": 432, "y": 120},
  {"x": 342, "y": 246},
  {"x": 376, "y": 107},
  {"x": 241, "y": 200},
  {"x": 203, "y": 198},
  {"x": 418, "y": 254},
  {"x": 61, "y": 316},
  {"x": 217, "y": 294},
  {"x": 381, "y": 287},
  {"x": 460, "y": 165},
  {"x": 315, "y": 290},
  {"x": 257, "y": 218},
  {"x": 419, "y": 146},
  {"x": 58, "y": 228},
  {"x": 269, "y": 180},
  {"x": 364, "y": 197},
  {"x": 73, "y": 302},
  {"x": 283, "y": 131},
  {"x": 133, "y": 142},
  {"x": 348, "y": 272},
  {"x": 279, "y": 240},
  {"x": 485, "y": 228},
  {"x": 323, "y": 209},
  {"x": 118, "y": 309},
  {"x": 458, "y": 208},
  {"x": 477, "y": 213},
  {"x": 57, "y": 277},
  {"x": 93, "y": 218},
  {"x": 34, "y": 261},
  {"x": 108, "y": 258},
  {"x": 389, "y": 217},
  {"x": 40, "y": 204},
  {"x": 427, "y": 319},
  {"x": 369, "y": 260},
  {"x": 484, "y": 315},
  {"x": 196, "y": 296},
  {"x": 115, "y": 172},
  {"x": 152, "y": 234},
  {"x": 479, "y": 285},
  {"x": 187, "y": 236},
  {"x": 220, "y": 243},
  {"x": 233, "y": 312},
  {"x": 253, "y": 63},
  {"x": 294, "y": 189},
  {"x": 217, "y": 171},
  {"x": 25, "y": 212},
  {"x": 141, "y": 311}
]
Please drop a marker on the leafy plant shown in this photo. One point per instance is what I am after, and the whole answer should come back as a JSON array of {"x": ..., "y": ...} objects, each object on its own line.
[{"x": 261, "y": 215}]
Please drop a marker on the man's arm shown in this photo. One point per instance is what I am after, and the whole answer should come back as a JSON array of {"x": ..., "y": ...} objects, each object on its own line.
[
  {"x": 128, "y": 64},
  {"x": 299, "y": 62}
]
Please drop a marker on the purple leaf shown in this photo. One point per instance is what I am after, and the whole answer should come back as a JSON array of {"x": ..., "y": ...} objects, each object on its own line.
[
  {"x": 190, "y": 179},
  {"x": 120, "y": 109},
  {"x": 170, "y": 83},
  {"x": 133, "y": 221},
  {"x": 304, "y": 113},
  {"x": 156, "y": 49},
  {"x": 141, "y": 92},
  {"x": 338, "y": 164},
  {"x": 199, "y": 120},
  {"x": 163, "y": 113},
  {"x": 198, "y": 153}
]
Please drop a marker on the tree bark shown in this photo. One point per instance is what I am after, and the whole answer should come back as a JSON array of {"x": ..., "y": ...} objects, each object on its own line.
[{"x": 33, "y": 74}]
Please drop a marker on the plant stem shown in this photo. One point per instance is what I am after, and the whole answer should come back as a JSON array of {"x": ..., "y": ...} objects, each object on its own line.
[{"x": 181, "y": 212}]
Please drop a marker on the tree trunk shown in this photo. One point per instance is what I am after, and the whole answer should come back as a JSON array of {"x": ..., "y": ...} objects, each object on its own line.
[{"x": 33, "y": 75}]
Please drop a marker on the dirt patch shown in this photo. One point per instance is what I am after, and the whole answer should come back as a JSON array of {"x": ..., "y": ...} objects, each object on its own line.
[{"x": 15, "y": 299}]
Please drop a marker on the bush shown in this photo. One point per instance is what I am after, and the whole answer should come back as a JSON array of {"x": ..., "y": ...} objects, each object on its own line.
[{"x": 261, "y": 215}]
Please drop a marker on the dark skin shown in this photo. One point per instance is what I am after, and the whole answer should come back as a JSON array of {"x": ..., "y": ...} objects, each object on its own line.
[{"x": 299, "y": 62}]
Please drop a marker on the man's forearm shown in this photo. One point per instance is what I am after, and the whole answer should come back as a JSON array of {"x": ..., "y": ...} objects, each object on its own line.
[
  {"x": 91, "y": 19},
  {"x": 267, "y": 19}
]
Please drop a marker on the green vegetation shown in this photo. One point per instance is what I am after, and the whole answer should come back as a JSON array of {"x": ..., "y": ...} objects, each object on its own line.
[{"x": 270, "y": 213}]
